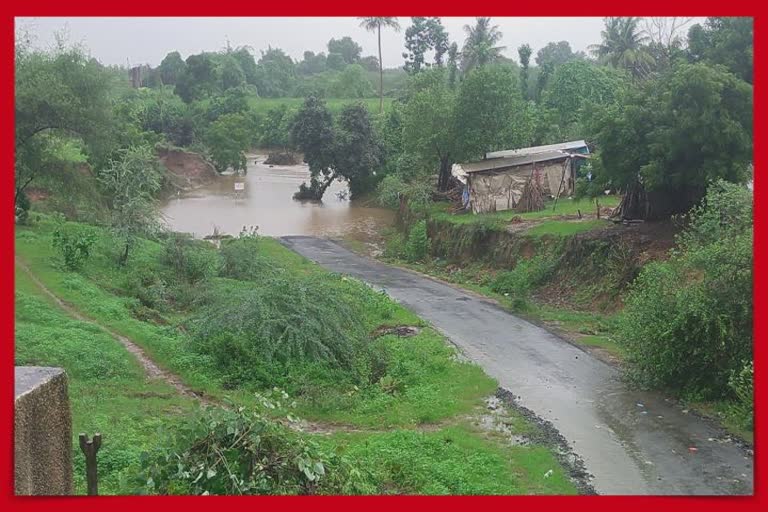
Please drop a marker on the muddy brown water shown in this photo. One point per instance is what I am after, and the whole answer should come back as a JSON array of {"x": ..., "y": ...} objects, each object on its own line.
[{"x": 267, "y": 202}]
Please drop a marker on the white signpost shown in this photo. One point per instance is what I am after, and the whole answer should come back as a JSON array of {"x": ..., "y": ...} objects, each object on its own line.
[{"x": 239, "y": 187}]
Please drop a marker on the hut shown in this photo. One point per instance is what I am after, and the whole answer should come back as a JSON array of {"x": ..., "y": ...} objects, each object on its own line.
[{"x": 497, "y": 182}]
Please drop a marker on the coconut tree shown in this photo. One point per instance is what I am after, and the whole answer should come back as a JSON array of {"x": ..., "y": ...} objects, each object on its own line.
[
  {"x": 623, "y": 46},
  {"x": 374, "y": 24},
  {"x": 480, "y": 45}
]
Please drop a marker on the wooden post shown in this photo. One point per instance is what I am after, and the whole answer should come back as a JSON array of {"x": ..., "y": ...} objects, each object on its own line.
[{"x": 90, "y": 448}]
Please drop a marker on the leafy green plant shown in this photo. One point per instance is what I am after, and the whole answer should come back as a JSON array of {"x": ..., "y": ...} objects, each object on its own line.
[
  {"x": 193, "y": 260},
  {"x": 73, "y": 243},
  {"x": 742, "y": 382},
  {"x": 519, "y": 281},
  {"x": 242, "y": 451},
  {"x": 418, "y": 244},
  {"x": 692, "y": 336}
]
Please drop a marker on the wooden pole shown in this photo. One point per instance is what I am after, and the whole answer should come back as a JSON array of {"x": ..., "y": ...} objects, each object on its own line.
[{"x": 90, "y": 448}]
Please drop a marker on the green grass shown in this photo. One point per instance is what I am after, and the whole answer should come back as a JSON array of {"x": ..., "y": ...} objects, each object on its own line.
[
  {"x": 424, "y": 384},
  {"x": 565, "y": 227},
  {"x": 564, "y": 206},
  {"x": 107, "y": 388},
  {"x": 453, "y": 460}
]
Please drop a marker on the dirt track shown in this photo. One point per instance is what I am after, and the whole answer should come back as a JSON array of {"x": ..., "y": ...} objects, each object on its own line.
[{"x": 631, "y": 442}]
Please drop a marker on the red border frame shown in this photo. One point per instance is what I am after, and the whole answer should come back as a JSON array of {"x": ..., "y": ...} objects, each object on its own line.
[{"x": 354, "y": 8}]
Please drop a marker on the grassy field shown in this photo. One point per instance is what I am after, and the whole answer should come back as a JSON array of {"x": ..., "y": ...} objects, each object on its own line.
[
  {"x": 550, "y": 221},
  {"x": 415, "y": 427}
]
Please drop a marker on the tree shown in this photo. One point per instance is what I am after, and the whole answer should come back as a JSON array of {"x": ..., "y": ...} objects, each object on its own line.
[
  {"x": 231, "y": 73},
  {"x": 348, "y": 49},
  {"x": 312, "y": 133},
  {"x": 575, "y": 89},
  {"x": 623, "y": 46},
  {"x": 247, "y": 63},
  {"x": 453, "y": 64},
  {"x": 358, "y": 152},
  {"x": 198, "y": 79},
  {"x": 726, "y": 41},
  {"x": 312, "y": 63},
  {"x": 424, "y": 34},
  {"x": 555, "y": 54},
  {"x": 335, "y": 62},
  {"x": 524, "y": 52},
  {"x": 663, "y": 142},
  {"x": 374, "y": 24},
  {"x": 370, "y": 63},
  {"x": 275, "y": 74},
  {"x": 131, "y": 182},
  {"x": 59, "y": 95},
  {"x": 352, "y": 83},
  {"x": 428, "y": 124},
  {"x": 171, "y": 68},
  {"x": 480, "y": 45},
  {"x": 227, "y": 139},
  {"x": 487, "y": 105}
]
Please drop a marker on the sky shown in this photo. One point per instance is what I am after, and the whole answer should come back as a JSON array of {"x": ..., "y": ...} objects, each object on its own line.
[{"x": 134, "y": 41}]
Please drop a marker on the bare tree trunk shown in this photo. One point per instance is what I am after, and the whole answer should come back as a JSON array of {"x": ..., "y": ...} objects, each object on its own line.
[
  {"x": 445, "y": 174},
  {"x": 381, "y": 77}
]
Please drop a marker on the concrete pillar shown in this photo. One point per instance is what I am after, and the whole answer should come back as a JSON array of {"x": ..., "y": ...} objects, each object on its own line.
[{"x": 42, "y": 432}]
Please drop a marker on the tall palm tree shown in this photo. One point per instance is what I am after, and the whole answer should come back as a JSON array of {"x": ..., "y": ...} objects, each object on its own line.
[
  {"x": 480, "y": 45},
  {"x": 374, "y": 24},
  {"x": 623, "y": 46}
]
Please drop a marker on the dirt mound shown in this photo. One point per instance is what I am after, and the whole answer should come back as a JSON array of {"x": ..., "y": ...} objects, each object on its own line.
[{"x": 186, "y": 169}]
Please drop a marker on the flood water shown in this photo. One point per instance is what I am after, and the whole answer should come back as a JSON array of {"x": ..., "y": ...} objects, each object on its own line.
[{"x": 267, "y": 202}]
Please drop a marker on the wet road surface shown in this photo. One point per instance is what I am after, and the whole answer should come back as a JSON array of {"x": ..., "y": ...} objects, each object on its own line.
[{"x": 631, "y": 442}]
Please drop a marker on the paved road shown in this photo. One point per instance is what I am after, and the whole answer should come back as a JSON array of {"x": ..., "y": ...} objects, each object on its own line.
[{"x": 632, "y": 442}]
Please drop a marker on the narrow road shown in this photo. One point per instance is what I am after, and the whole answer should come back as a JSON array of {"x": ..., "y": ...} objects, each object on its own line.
[{"x": 631, "y": 442}]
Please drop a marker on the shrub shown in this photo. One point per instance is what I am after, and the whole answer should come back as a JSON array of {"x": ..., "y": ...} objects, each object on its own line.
[
  {"x": 742, "y": 383},
  {"x": 245, "y": 452},
  {"x": 527, "y": 274},
  {"x": 241, "y": 258},
  {"x": 286, "y": 331},
  {"x": 191, "y": 260},
  {"x": 418, "y": 244},
  {"x": 687, "y": 324},
  {"x": 73, "y": 243}
]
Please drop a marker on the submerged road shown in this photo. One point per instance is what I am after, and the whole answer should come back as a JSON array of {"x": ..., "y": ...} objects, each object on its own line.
[{"x": 631, "y": 442}]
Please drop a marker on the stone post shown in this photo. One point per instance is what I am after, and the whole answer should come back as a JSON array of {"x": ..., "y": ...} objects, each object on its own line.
[{"x": 42, "y": 432}]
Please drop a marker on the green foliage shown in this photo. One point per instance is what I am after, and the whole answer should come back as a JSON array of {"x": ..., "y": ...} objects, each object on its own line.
[
  {"x": 240, "y": 451},
  {"x": 480, "y": 45},
  {"x": 675, "y": 134},
  {"x": 527, "y": 274},
  {"x": 727, "y": 41},
  {"x": 275, "y": 74},
  {"x": 242, "y": 259},
  {"x": 73, "y": 244},
  {"x": 417, "y": 247},
  {"x": 424, "y": 35},
  {"x": 488, "y": 102},
  {"x": 692, "y": 336},
  {"x": 357, "y": 151},
  {"x": 227, "y": 139},
  {"x": 351, "y": 82},
  {"x": 131, "y": 183},
  {"x": 623, "y": 46},
  {"x": 313, "y": 134},
  {"x": 392, "y": 188},
  {"x": 192, "y": 260},
  {"x": 282, "y": 329},
  {"x": 742, "y": 383}
]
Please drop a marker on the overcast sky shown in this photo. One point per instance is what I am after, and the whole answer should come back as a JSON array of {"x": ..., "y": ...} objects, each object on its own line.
[{"x": 148, "y": 40}]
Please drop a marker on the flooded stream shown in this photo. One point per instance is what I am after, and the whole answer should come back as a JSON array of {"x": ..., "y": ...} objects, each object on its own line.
[{"x": 267, "y": 202}]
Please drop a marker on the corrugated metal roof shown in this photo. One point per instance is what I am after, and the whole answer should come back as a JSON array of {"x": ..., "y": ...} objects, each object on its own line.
[
  {"x": 563, "y": 146},
  {"x": 513, "y": 161}
]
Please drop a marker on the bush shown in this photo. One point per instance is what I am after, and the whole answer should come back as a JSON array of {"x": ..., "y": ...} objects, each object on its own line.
[
  {"x": 742, "y": 383},
  {"x": 287, "y": 331},
  {"x": 241, "y": 259},
  {"x": 191, "y": 260},
  {"x": 73, "y": 243},
  {"x": 687, "y": 324},
  {"x": 418, "y": 244},
  {"x": 244, "y": 452},
  {"x": 527, "y": 274}
]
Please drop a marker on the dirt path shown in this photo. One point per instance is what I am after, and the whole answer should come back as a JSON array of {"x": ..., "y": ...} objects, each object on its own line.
[
  {"x": 152, "y": 370},
  {"x": 631, "y": 442}
]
